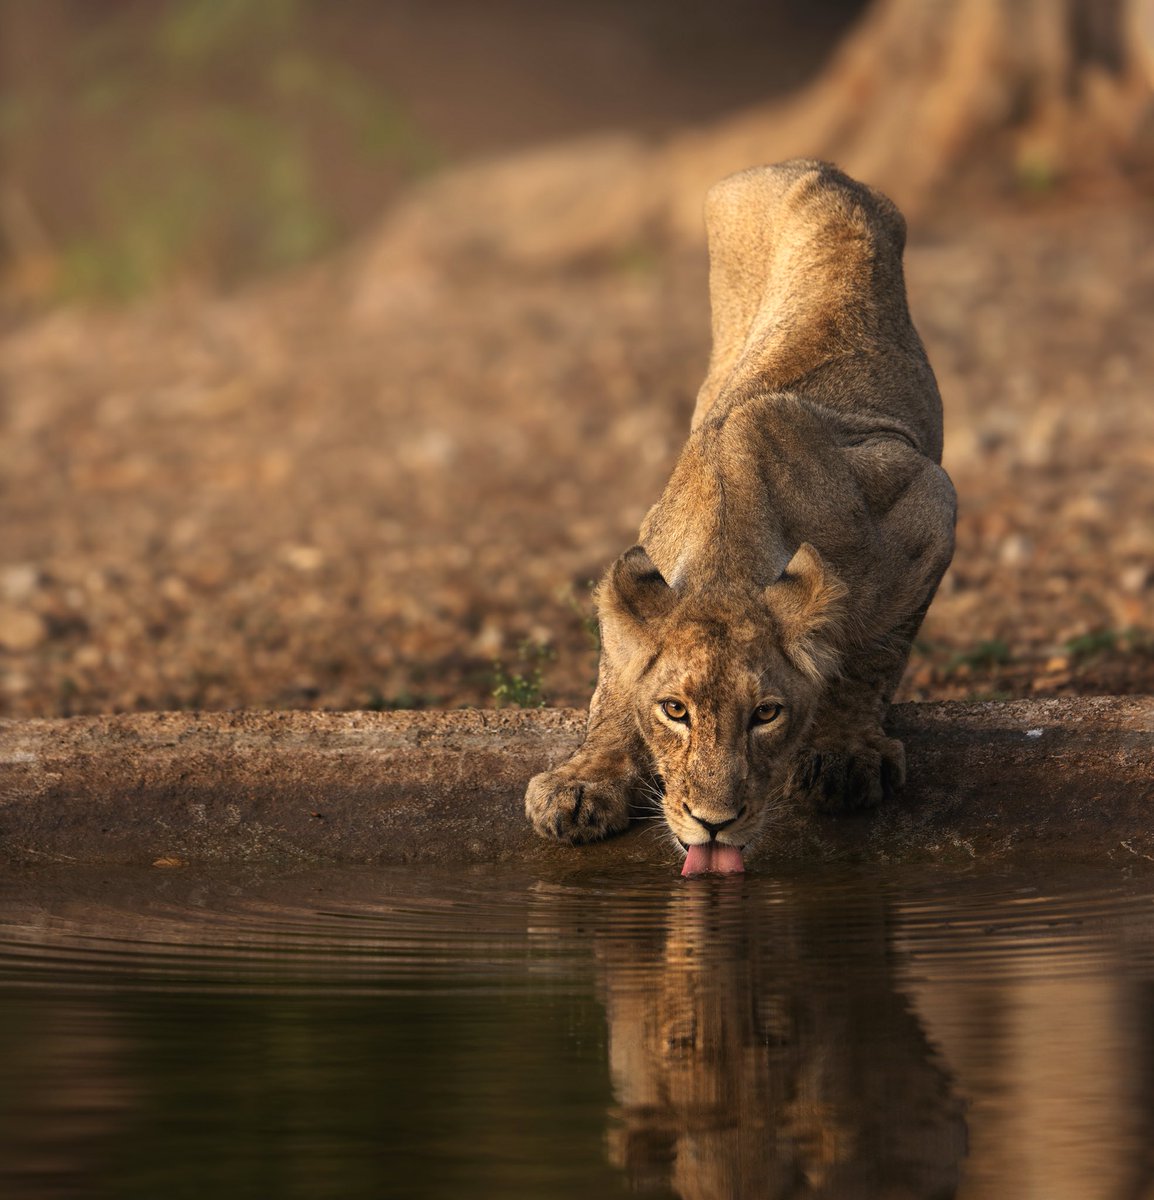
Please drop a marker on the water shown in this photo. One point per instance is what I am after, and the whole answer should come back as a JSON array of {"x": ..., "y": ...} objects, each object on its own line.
[{"x": 397, "y": 1032}]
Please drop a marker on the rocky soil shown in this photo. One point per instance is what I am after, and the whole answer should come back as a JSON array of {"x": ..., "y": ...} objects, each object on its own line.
[{"x": 366, "y": 485}]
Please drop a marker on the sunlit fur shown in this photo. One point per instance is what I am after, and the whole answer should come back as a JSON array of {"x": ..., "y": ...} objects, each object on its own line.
[{"x": 796, "y": 546}]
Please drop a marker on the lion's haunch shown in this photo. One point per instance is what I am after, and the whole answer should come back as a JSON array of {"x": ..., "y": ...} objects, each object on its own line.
[{"x": 713, "y": 857}]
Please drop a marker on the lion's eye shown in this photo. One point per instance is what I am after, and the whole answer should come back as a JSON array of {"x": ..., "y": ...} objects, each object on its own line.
[
  {"x": 763, "y": 714},
  {"x": 675, "y": 710}
]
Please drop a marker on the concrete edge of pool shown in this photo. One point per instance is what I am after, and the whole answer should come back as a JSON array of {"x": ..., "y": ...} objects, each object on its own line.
[{"x": 1048, "y": 779}]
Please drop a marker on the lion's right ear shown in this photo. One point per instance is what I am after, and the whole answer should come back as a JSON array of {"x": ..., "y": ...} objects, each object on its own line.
[
  {"x": 632, "y": 594},
  {"x": 809, "y": 603}
]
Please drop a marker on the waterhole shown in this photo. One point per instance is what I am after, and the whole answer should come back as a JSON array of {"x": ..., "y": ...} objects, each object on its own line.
[{"x": 399, "y": 1032}]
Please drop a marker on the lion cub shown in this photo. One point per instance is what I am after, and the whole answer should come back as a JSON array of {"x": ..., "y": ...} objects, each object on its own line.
[{"x": 752, "y": 640}]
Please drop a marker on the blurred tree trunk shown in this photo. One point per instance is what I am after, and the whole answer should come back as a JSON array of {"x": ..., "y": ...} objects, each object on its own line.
[
  {"x": 1049, "y": 87},
  {"x": 924, "y": 94},
  {"x": 936, "y": 102}
]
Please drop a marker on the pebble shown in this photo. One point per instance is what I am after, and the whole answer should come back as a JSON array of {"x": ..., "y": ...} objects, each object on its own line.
[
  {"x": 20, "y": 629},
  {"x": 1015, "y": 550},
  {"x": 1136, "y": 578},
  {"x": 19, "y": 581}
]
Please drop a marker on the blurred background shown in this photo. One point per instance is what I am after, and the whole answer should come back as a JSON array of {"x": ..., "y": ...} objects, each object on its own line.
[{"x": 345, "y": 344}]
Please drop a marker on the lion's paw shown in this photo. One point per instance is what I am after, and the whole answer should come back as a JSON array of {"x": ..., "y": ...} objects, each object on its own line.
[
  {"x": 576, "y": 810},
  {"x": 855, "y": 775}
]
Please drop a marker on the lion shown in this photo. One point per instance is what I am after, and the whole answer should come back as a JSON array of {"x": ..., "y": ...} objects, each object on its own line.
[{"x": 753, "y": 638}]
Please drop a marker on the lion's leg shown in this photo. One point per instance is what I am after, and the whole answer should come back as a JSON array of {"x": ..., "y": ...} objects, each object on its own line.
[
  {"x": 849, "y": 762},
  {"x": 588, "y": 797}
]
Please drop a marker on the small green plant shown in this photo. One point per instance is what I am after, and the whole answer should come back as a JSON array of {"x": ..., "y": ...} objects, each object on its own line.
[
  {"x": 983, "y": 657},
  {"x": 522, "y": 687}
]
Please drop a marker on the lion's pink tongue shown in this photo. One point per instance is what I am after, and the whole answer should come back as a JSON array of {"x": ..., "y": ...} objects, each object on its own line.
[
  {"x": 727, "y": 860},
  {"x": 724, "y": 860},
  {"x": 697, "y": 860}
]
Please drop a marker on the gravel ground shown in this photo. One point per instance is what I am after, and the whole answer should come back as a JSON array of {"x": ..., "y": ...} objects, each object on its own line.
[{"x": 299, "y": 498}]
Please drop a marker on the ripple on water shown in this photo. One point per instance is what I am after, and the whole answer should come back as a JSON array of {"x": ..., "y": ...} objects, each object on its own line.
[{"x": 408, "y": 927}]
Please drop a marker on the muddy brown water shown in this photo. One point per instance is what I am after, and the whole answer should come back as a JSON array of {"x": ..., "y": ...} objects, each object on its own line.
[{"x": 402, "y": 1032}]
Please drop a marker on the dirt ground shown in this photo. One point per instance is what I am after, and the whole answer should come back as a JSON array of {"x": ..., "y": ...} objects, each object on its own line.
[{"x": 345, "y": 490}]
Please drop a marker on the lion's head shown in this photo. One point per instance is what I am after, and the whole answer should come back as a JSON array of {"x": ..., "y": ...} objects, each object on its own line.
[{"x": 723, "y": 688}]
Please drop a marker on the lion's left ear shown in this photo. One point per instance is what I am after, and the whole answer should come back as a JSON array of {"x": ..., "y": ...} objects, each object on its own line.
[{"x": 809, "y": 603}]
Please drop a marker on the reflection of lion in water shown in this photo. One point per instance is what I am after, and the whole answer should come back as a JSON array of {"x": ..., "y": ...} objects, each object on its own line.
[
  {"x": 742, "y": 1067},
  {"x": 752, "y": 640}
]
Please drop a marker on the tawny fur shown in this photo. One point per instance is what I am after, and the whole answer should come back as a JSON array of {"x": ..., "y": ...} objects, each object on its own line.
[{"x": 794, "y": 551}]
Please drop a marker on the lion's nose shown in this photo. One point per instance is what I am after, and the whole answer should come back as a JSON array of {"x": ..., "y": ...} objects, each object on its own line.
[{"x": 715, "y": 827}]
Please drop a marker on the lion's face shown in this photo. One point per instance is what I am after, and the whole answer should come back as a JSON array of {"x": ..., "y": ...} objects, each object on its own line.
[
  {"x": 722, "y": 712},
  {"x": 723, "y": 689}
]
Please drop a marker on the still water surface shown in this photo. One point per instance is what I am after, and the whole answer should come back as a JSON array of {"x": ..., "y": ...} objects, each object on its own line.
[{"x": 399, "y": 1032}]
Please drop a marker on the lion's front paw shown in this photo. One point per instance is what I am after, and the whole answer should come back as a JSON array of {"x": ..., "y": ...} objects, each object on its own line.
[
  {"x": 576, "y": 810},
  {"x": 859, "y": 774}
]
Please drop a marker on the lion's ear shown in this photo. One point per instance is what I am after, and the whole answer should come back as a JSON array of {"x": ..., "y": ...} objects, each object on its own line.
[
  {"x": 809, "y": 603},
  {"x": 632, "y": 594}
]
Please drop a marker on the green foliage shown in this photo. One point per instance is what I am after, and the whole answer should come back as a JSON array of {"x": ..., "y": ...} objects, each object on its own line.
[{"x": 522, "y": 684}]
